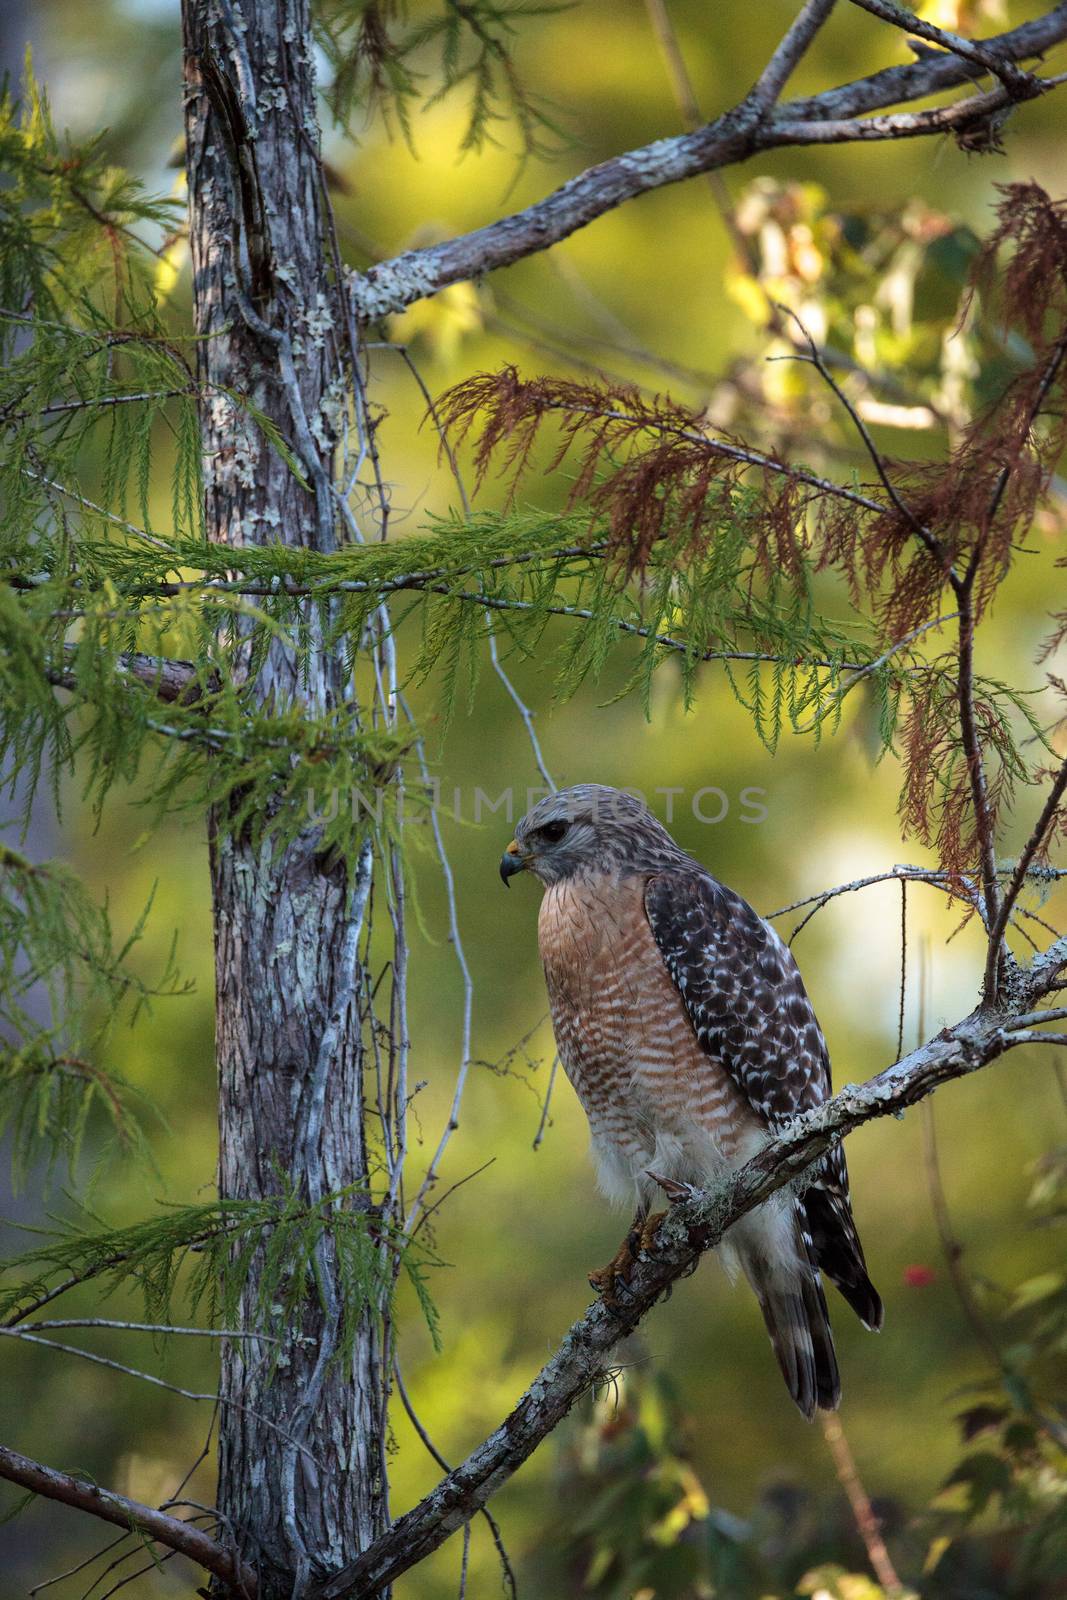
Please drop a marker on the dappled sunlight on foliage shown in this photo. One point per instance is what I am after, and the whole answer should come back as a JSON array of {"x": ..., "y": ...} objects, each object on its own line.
[{"x": 750, "y": 497}]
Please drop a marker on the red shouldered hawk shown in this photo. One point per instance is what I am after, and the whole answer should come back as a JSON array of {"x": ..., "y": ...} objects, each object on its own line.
[{"x": 684, "y": 1026}]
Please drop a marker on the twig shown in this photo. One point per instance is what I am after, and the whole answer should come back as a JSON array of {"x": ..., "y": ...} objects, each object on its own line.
[
  {"x": 625, "y": 343},
  {"x": 12, "y": 1328},
  {"x": 779, "y": 69},
  {"x": 524, "y": 712},
  {"x": 100, "y": 511},
  {"x": 494, "y": 653},
  {"x": 734, "y": 452},
  {"x": 140, "y": 1327},
  {"x": 860, "y": 673},
  {"x": 72, "y": 1572},
  {"x": 928, "y": 539},
  {"x": 456, "y": 941},
  {"x": 60, "y": 406},
  {"x": 936, "y": 878},
  {"x": 1047, "y": 380},
  {"x": 1037, "y": 838},
  {"x": 1019, "y": 84},
  {"x": 867, "y": 1524},
  {"x": 494, "y": 1527},
  {"x": 692, "y": 117},
  {"x": 979, "y": 110},
  {"x": 972, "y": 749},
  {"x": 183, "y": 1537},
  {"x": 131, "y": 1577},
  {"x": 439, "y": 1202},
  {"x": 903, "y": 964},
  {"x": 145, "y": 1377},
  {"x": 391, "y": 285},
  {"x": 543, "y": 1124},
  {"x": 464, "y": 1560}
]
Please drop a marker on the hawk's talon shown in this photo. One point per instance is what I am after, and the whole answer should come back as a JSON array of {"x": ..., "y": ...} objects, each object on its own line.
[
  {"x": 617, "y": 1274},
  {"x": 607, "y": 1280}
]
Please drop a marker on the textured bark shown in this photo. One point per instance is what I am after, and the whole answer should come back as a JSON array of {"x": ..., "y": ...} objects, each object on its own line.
[{"x": 300, "y": 1455}]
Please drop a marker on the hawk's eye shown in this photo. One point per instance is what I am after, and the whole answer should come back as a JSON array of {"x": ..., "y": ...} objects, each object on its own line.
[{"x": 554, "y": 831}]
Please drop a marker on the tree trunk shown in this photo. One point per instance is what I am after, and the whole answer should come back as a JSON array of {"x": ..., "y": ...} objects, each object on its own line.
[{"x": 300, "y": 1452}]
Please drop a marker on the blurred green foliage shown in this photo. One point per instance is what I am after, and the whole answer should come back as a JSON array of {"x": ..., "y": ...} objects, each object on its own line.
[{"x": 691, "y": 1478}]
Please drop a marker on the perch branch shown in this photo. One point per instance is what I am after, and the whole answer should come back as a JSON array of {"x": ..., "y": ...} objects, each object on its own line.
[{"x": 693, "y": 1226}]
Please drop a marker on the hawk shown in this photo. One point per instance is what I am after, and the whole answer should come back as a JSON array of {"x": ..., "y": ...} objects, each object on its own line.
[{"x": 684, "y": 1026}]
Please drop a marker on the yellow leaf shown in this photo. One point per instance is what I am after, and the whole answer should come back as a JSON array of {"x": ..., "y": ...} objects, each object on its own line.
[
  {"x": 745, "y": 292},
  {"x": 937, "y": 1549}
]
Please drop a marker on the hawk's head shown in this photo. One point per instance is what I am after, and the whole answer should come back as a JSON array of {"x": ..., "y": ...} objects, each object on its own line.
[{"x": 589, "y": 828}]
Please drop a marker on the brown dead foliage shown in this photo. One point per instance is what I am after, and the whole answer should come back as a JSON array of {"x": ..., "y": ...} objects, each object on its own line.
[
  {"x": 640, "y": 464},
  {"x": 914, "y": 541},
  {"x": 1030, "y": 292},
  {"x": 936, "y": 799}
]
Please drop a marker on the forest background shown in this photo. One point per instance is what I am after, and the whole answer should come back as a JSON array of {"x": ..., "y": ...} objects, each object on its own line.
[{"x": 871, "y": 247}]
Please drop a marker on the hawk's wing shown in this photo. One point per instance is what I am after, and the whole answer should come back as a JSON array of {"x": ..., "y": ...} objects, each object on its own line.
[
  {"x": 743, "y": 993},
  {"x": 746, "y": 1000}
]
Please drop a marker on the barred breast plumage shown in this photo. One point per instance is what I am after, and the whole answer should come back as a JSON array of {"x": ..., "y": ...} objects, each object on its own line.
[{"x": 654, "y": 1099}]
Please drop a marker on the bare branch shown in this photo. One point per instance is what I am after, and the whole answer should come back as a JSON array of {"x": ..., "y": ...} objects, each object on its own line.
[
  {"x": 985, "y": 830},
  {"x": 1018, "y": 877},
  {"x": 932, "y": 875},
  {"x": 693, "y": 1226},
  {"x": 169, "y": 680},
  {"x": 1020, "y": 84},
  {"x": 740, "y": 133},
  {"x": 145, "y": 1377},
  {"x": 960, "y": 117},
  {"x": 866, "y": 1519},
  {"x": 779, "y": 69},
  {"x": 183, "y": 1537},
  {"x": 141, "y": 1327},
  {"x": 103, "y": 400}
]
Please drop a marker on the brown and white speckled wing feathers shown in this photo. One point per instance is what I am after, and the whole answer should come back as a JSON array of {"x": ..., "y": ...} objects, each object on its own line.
[{"x": 749, "y": 1009}]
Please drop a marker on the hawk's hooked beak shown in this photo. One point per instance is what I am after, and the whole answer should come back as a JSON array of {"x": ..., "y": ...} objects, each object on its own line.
[{"x": 511, "y": 862}]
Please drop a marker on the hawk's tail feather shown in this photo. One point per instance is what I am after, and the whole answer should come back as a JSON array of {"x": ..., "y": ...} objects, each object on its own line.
[
  {"x": 794, "y": 1310},
  {"x": 838, "y": 1252}
]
